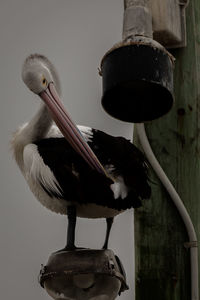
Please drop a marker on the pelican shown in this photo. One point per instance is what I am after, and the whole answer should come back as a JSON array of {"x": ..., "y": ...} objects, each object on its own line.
[{"x": 75, "y": 170}]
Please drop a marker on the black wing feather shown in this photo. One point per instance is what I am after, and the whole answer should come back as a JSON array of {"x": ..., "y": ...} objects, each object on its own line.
[
  {"x": 81, "y": 184},
  {"x": 128, "y": 160}
]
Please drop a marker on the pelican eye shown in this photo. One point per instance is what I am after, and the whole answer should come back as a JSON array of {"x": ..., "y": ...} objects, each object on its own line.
[{"x": 44, "y": 81}]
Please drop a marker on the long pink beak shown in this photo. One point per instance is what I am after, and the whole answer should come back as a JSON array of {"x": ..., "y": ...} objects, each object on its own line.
[{"x": 68, "y": 128}]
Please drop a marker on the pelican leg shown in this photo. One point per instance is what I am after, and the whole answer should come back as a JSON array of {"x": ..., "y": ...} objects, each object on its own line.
[
  {"x": 109, "y": 222},
  {"x": 71, "y": 213}
]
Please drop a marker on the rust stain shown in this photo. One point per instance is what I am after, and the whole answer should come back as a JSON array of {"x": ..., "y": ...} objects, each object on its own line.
[
  {"x": 174, "y": 279},
  {"x": 180, "y": 137},
  {"x": 190, "y": 107},
  {"x": 181, "y": 111}
]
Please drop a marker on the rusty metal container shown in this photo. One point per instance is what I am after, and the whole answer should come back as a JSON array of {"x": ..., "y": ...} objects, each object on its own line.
[{"x": 83, "y": 274}]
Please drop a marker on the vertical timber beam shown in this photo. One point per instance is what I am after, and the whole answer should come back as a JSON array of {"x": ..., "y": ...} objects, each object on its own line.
[{"x": 162, "y": 260}]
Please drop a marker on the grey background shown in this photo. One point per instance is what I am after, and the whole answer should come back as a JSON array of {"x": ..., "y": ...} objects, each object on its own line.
[{"x": 74, "y": 35}]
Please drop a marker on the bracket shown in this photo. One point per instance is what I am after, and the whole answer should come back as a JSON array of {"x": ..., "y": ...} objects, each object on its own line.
[{"x": 169, "y": 22}]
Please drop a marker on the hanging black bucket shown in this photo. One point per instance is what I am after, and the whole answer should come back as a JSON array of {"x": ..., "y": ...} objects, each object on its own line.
[{"x": 137, "y": 82}]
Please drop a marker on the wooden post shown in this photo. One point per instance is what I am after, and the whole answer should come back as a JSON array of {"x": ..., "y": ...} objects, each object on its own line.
[{"x": 162, "y": 260}]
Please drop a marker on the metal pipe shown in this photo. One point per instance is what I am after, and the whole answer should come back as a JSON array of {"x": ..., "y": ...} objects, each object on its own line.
[{"x": 137, "y": 19}]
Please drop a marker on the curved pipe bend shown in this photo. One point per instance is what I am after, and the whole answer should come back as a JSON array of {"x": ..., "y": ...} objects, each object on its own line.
[{"x": 179, "y": 205}]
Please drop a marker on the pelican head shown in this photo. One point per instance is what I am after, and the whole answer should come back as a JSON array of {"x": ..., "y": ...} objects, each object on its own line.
[
  {"x": 40, "y": 76},
  {"x": 38, "y": 72}
]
